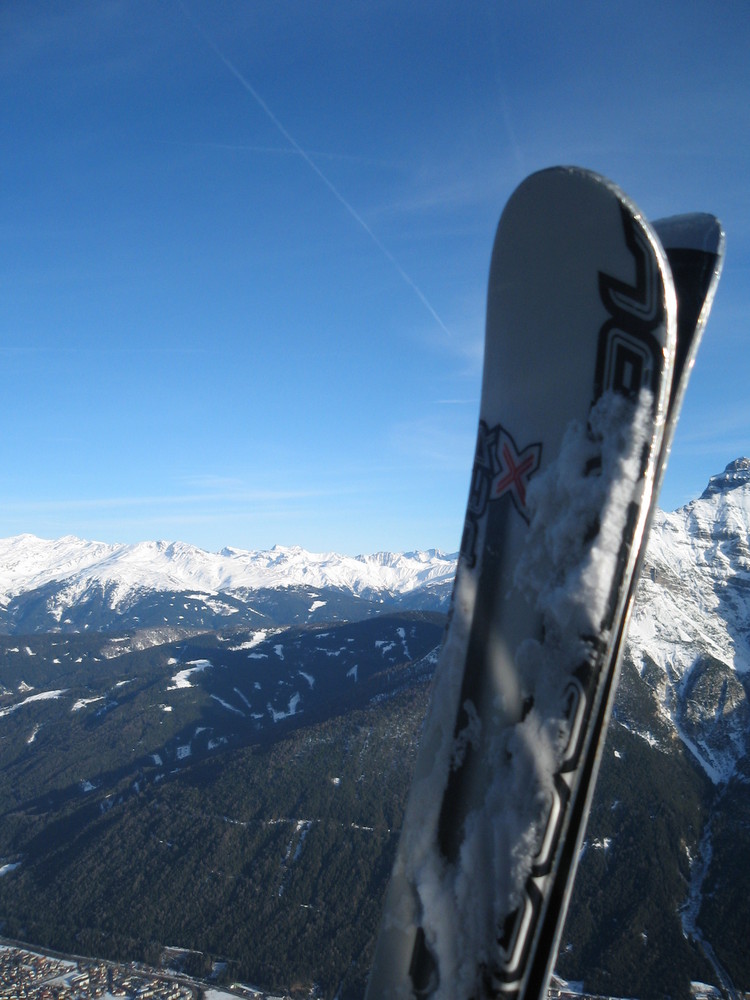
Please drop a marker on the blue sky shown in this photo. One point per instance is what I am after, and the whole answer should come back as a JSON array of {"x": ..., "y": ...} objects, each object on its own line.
[{"x": 244, "y": 247}]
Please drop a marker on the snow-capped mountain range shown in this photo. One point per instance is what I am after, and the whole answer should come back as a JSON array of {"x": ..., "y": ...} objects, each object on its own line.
[
  {"x": 689, "y": 637},
  {"x": 28, "y": 563},
  {"x": 70, "y": 584}
]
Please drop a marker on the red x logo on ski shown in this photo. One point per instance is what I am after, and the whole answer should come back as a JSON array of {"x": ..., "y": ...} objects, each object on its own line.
[{"x": 513, "y": 469}]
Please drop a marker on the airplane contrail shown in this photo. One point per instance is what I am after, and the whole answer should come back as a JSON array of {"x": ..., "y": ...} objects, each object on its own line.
[{"x": 313, "y": 166}]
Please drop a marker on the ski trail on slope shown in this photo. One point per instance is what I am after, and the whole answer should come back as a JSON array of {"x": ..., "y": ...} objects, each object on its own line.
[{"x": 313, "y": 166}]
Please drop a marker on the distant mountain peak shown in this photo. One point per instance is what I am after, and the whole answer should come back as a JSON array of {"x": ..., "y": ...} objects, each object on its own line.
[{"x": 736, "y": 474}]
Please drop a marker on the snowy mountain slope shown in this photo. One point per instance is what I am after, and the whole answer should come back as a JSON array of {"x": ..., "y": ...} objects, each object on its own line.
[
  {"x": 689, "y": 636},
  {"x": 46, "y": 584}
]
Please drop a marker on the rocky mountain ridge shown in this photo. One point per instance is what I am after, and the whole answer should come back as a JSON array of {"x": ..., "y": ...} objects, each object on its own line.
[{"x": 689, "y": 636}]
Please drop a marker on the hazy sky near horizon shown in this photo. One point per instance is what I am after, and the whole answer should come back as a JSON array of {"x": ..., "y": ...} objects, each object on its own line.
[{"x": 245, "y": 247}]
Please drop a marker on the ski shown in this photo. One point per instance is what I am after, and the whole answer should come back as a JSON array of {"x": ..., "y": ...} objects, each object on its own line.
[
  {"x": 577, "y": 411},
  {"x": 694, "y": 245}
]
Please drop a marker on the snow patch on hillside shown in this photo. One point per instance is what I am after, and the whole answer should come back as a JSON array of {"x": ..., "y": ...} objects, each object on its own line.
[
  {"x": 42, "y": 696},
  {"x": 83, "y": 702},
  {"x": 182, "y": 678},
  {"x": 291, "y": 708}
]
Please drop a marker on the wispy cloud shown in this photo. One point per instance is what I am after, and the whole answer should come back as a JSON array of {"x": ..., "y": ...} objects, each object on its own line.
[
  {"x": 515, "y": 146},
  {"x": 314, "y": 167},
  {"x": 168, "y": 501},
  {"x": 463, "y": 343},
  {"x": 452, "y": 186},
  {"x": 317, "y": 154},
  {"x": 727, "y": 445},
  {"x": 108, "y": 349},
  {"x": 728, "y": 428},
  {"x": 437, "y": 441}
]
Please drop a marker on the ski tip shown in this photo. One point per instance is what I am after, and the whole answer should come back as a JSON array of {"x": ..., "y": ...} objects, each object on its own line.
[{"x": 693, "y": 231}]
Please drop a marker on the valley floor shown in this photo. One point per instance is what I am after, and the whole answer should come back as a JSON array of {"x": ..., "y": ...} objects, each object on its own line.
[
  {"x": 35, "y": 975},
  {"x": 28, "y": 974}
]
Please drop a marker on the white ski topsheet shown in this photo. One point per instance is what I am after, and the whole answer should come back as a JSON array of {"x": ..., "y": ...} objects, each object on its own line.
[{"x": 580, "y": 310}]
